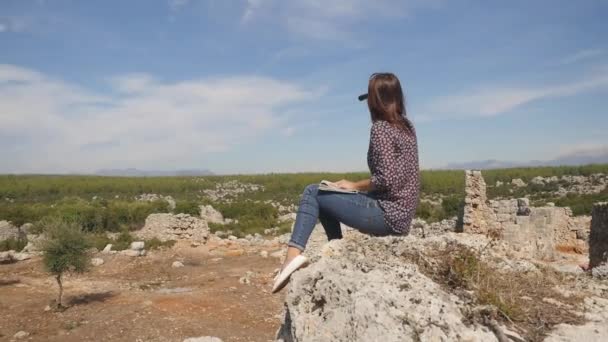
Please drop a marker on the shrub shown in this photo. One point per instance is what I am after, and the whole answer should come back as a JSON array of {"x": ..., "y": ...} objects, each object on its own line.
[
  {"x": 123, "y": 241},
  {"x": 155, "y": 243},
  {"x": 187, "y": 207},
  {"x": 65, "y": 251},
  {"x": 13, "y": 244},
  {"x": 453, "y": 206},
  {"x": 99, "y": 241}
]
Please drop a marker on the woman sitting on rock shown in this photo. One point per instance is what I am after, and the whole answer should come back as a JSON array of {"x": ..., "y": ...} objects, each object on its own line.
[{"x": 387, "y": 201}]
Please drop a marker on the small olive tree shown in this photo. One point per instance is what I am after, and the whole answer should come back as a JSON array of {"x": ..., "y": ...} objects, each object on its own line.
[{"x": 66, "y": 250}]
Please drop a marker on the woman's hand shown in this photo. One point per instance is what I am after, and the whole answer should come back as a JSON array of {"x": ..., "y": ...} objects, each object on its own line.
[{"x": 345, "y": 184}]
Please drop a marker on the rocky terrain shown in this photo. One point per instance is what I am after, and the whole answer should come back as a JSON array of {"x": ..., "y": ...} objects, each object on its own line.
[{"x": 502, "y": 271}]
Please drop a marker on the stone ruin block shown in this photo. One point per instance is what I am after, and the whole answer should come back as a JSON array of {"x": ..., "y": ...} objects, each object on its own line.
[
  {"x": 598, "y": 238},
  {"x": 476, "y": 210},
  {"x": 538, "y": 231}
]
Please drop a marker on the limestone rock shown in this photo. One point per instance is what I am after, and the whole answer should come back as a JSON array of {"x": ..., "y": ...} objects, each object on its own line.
[
  {"x": 177, "y": 264},
  {"x": 358, "y": 290},
  {"x": 600, "y": 272},
  {"x": 9, "y": 231},
  {"x": 287, "y": 217},
  {"x": 174, "y": 227},
  {"x": 6, "y": 257},
  {"x": 246, "y": 279},
  {"x": 12, "y": 256},
  {"x": 154, "y": 197},
  {"x": 21, "y": 335},
  {"x": 518, "y": 182},
  {"x": 133, "y": 253},
  {"x": 137, "y": 245},
  {"x": 210, "y": 214},
  {"x": 97, "y": 261},
  {"x": 595, "y": 330},
  {"x": 107, "y": 249},
  {"x": 203, "y": 339}
]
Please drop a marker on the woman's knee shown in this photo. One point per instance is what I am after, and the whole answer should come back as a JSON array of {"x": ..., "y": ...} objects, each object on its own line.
[{"x": 311, "y": 189}]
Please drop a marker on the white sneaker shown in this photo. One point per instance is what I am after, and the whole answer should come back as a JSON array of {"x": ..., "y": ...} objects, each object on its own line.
[{"x": 283, "y": 277}]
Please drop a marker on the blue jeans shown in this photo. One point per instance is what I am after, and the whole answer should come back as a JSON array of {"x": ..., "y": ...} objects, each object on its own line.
[{"x": 360, "y": 211}]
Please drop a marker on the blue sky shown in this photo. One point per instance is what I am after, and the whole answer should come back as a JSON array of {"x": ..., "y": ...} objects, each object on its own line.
[{"x": 271, "y": 86}]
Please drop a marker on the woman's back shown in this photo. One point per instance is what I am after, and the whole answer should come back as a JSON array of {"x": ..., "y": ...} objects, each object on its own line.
[{"x": 393, "y": 162}]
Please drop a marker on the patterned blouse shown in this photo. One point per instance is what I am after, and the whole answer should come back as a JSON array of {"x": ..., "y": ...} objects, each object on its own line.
[{"x": 392, "y": 158}]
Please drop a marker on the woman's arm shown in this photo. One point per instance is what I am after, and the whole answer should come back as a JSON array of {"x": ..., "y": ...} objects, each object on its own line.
[{"x": 362, "y": 185}]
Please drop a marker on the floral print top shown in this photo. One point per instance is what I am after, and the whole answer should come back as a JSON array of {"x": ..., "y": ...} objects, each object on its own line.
[{"x": 392, "y": 158}]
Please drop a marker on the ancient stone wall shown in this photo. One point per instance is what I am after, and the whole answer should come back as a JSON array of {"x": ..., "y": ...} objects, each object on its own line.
[
  {"x": 476, "y": 210},
  {"x": 598, "y": 238},
  {"x": 174, "y": 227},
  {"x": 534, "y": 230}
]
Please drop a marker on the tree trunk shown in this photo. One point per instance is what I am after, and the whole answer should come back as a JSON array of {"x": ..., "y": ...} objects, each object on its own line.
[{"x": 58, "y": 278}]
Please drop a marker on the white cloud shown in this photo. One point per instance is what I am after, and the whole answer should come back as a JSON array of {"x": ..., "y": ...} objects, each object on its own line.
[
  {"x": 177, "y": 4},
  {"x": 492, "y": 101},
  {"x": 14, "y": 24},
  {"x": 327, "y": 20},
  {"x": 579, "y": 56},
  {"x": 584, "y": 149},
  {"x": 144, "y": 122}
]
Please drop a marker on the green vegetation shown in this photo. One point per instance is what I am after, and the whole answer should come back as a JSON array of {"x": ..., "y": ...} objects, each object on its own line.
[
  {"x": 103, "y": 204},
  {"x": 13, "y": 244},
  {"x": 250, "y": 217},
  {"x": 188, "y": 207},
  {"x": 66, "y": 250},
  {"x": 123, "y": 241}
]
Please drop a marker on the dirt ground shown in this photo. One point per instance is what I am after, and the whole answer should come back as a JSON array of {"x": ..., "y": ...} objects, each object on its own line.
[{"x": 145, "y": 299}]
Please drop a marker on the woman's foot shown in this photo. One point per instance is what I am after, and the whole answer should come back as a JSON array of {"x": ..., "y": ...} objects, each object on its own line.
[
  {"x": 293, "y": 261},
  {"x": 292, "y": 253},
  {"x": 283, "y": 277}
]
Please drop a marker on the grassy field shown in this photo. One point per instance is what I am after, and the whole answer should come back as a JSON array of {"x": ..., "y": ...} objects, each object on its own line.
[{"x": 108, "y": 203}]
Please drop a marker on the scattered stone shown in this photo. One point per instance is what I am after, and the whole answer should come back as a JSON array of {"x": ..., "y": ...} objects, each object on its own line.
[
  {"x": 6, "y": 257},
  {"x": 287, "y": 217},
  {"x": 203, "y": 339},
  {"x": 107, "y": 249},
  {"x": 175, "y": 290},
  {"x": 137, "y": 245},
  {"x": 264, "y": 254},
  {"x": 600, "y": 272},
  {"x": 518, "y": 182},
  {"x": 246, "y": 279},
  {"x": 232, "y": 238},
  {"x": 154, "y": 197},
  {"x": 277, "y": 254},
  {"x": 12, "y": 256},
  {"x": 132, "y": 253},
  {"x": 210, "y": 214},
  {"x": 177, "y": 264},
  {"x": 97, "y": 261},
  {"x": 21, "y": 335},
  {"x": 9, "y": 231}
]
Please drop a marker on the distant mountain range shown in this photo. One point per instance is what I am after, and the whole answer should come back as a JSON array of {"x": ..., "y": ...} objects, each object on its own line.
[
  {"x": 581, "y": 158},
  {"x": 151, "y": 173}
]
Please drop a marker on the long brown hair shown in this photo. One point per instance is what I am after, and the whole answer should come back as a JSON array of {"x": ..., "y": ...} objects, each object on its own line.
[{"x": 386, "y": 101}]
